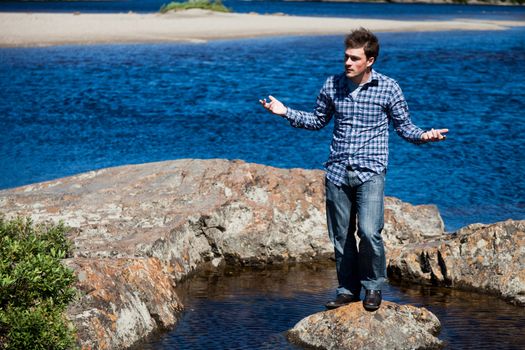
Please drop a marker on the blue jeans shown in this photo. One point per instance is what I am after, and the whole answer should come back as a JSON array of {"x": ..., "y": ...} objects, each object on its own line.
[{"x": 357, "y": 205}]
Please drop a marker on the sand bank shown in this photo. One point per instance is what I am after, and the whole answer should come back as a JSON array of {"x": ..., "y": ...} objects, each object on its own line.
[{"x": 42, "y": 29}]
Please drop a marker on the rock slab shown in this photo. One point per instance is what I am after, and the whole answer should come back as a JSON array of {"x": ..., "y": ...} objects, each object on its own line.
[
  {"x": 393, "y": 326},
  {"x": 138, "y": 230},
  {"x": 486, "y": 258}
]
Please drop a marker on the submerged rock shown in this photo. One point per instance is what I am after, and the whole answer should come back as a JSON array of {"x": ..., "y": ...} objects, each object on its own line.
[
  {"x": 137, "y": 230},
  {"x": 393, "y": 326},
  {"x": 486, "y": 258}
]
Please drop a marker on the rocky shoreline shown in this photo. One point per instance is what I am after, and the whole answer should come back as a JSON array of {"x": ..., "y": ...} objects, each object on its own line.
[
  {"x": 139, "y": 230},
  {"x": 393, "y": 326},
  {"x": 437, "y": 2},
  {"x": 483, "y": 258},
  {"x": 462, "y": 2}
]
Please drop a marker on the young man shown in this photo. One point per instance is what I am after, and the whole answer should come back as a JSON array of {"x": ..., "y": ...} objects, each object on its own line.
[{"x": 362, "y": 103}]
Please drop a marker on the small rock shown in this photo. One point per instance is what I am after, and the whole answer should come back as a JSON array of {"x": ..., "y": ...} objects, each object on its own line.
[{"x": 393, "y": 326}]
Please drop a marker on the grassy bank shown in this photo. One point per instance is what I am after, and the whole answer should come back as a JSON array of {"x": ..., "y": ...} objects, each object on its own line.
[{"x": 195, "y": 4}]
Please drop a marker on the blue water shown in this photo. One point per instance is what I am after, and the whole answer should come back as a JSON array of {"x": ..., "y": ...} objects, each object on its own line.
[
  {"x": 307, "y": 8},
  {"x": 71, "y": 109}
]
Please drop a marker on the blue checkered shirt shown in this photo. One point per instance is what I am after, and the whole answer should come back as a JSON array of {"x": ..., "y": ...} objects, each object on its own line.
[{"x": 360, "y": 137}]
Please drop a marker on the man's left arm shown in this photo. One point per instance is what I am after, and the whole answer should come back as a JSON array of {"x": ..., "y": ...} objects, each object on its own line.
[{"x": 398, "y": 111}]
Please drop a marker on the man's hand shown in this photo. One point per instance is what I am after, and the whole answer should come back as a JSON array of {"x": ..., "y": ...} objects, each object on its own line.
[
  {"x": 434, "y": 135},
  {"x": 275, "y": 106}
]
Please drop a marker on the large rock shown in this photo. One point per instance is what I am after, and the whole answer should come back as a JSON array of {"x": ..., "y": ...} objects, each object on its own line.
[
  {"x": 393, "y": 326},
  {"x": 184, "y": 212},
  {"x": 487, "y": 258},
  {"x": 123, "y": 300},
  {"x": 137, "y": 230},
  {"x": 407, "y": 223}
]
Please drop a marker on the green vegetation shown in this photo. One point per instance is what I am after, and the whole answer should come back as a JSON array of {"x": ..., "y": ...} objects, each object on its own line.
[
  {"x": 35, "y": 287},
  {"x": 216, "y": 5}
]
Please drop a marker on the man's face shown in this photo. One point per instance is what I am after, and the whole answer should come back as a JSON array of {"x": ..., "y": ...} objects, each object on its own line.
[{"x": 356, "y": 63}]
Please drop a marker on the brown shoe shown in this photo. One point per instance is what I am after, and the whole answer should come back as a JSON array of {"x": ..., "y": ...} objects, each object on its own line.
[
  {"x": 342, "y": 299},
  {"x": 372, "y": 299}
]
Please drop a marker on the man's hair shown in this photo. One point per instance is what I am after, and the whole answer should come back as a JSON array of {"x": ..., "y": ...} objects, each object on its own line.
[{"x": 363, "y": 38}]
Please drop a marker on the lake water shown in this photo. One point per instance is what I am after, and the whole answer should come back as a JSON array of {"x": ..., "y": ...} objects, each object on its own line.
[
  {"x": 252, "y": 309},
  {"x": 307, "y": 8},
  {"x": 70, "y": 109}
]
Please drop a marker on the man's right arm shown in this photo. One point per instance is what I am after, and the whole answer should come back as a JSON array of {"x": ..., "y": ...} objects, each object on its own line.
[{"x": 315, "y": 120}]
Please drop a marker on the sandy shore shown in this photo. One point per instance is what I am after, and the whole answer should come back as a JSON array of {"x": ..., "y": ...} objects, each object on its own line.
[{"x": 43, "y": 29}]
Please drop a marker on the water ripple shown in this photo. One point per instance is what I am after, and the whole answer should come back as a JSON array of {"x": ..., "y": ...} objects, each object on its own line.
[
  {"x": 64, "y": 110},
  {"x": 252, "y": 309}
]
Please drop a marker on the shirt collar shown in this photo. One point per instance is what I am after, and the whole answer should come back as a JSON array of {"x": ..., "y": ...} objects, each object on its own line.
[{"x": 372, "y": 81}]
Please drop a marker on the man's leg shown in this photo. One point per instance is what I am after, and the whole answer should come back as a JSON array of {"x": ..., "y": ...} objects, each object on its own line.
[
  {"x": 341, "y": 220},
  {"x": 372, "y": 260}
]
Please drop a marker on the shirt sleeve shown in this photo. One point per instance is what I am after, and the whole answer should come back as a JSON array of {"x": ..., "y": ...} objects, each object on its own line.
[
  {"x": 398, "y": 112},
  {"x": 317, "y": 119}
]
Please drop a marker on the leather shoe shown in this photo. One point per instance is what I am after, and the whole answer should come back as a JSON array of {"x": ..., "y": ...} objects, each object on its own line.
[
  {"x": 342, "y": 299},
  {"x": 372, "y": 299}
]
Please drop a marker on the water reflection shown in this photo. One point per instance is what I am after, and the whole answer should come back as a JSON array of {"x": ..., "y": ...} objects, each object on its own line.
[
  {"x": 471, "y": 320},
  {"x": 252, "y": 308}
]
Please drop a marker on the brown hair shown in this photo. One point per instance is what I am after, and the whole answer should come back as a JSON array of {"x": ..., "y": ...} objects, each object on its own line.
[{"x": 363, "y": 38}]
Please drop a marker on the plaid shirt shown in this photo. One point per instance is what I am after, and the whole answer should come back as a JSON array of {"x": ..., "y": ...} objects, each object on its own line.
[{"x": 360, "y": 137}]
